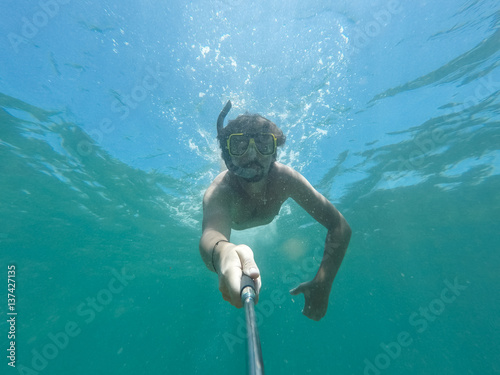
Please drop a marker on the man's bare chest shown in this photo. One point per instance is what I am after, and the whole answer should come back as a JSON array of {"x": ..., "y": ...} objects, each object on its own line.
[{"x": 249, "y": 212}]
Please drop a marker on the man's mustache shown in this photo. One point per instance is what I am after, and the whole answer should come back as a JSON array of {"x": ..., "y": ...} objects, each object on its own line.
[{"x": 253, "y": 164}]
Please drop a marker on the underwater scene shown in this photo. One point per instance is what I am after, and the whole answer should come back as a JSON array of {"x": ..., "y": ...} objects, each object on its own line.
[{"x": 108, "y": 113}]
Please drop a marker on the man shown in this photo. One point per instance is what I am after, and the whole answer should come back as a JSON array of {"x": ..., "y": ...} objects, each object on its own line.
[{"x": 250, "y": 193}]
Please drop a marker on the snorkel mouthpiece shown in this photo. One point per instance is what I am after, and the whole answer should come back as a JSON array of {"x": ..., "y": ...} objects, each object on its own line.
[
  {"x": 248, "y": 174},
  {"x": 222, "y": 116}
]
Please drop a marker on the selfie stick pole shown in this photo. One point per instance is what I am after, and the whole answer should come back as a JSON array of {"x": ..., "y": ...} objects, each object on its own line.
[{"x": 255, "y": 362}]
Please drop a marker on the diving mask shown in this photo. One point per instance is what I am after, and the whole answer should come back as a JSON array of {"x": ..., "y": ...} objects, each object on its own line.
[{"x": 238, "y": 143}]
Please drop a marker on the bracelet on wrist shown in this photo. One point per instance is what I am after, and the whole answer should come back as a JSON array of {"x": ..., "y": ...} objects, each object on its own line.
[{"x": 213, "y": 251}]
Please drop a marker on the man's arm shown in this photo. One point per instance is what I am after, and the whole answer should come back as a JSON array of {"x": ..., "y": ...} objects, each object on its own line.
[
  {"x": 216, "y": 224},
  {"x": 317, "y": 291},
  {"x": 228, "y": 260}
]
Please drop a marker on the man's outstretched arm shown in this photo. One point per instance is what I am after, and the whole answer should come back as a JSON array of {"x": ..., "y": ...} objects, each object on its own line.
[
  {"x": 228, "y": 260},
  {"x": 317, "y": 291}
]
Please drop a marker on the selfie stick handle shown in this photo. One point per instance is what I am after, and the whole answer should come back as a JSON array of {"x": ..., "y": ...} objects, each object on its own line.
[{"x": 255, "y": 362}]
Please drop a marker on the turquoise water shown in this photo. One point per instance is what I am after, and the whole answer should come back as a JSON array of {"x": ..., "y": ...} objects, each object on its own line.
[{"x": 107, "y": 144}]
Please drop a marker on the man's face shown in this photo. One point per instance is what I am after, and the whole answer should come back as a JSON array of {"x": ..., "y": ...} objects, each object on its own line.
[{"x": 252, "y": 166}]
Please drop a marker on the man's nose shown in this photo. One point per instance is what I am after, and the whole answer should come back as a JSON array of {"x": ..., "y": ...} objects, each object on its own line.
[{"x": 252, "y": 150}]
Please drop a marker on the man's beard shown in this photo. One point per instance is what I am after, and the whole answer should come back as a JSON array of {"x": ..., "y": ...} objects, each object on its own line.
[{"x": 251, "y": 172}]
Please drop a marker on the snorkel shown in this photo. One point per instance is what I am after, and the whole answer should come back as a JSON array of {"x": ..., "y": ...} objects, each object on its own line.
[
  {"x": 222, "y": 116},
  {"x": 248, "y": 174}
]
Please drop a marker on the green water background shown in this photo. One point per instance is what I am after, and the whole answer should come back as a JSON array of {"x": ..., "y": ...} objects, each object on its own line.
[
  {"x": 424, "y": 214},
  {"x": 67, "y": 227}
]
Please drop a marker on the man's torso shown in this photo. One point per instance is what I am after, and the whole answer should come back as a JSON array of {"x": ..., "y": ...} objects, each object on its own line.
[{"x": 250, "y": 211}]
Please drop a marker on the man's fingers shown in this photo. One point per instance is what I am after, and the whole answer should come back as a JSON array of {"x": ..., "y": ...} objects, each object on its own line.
[
  {"x": 297, "y": 290},
  {"x": 311, "y": 316},
  {"x": 233, "y": 281},
  {"x": 224, "y": 291},
  {"x": 232, "y": 271},
  {"x": 247, "y": 262},
  {"x": 249, "y": 266}
]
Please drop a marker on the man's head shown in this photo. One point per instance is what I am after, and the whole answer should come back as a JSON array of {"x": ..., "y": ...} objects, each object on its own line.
[{"x": 249, "y": 145}]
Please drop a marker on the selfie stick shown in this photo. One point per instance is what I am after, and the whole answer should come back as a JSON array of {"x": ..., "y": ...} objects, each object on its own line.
[{"x": 255, "y": 362}]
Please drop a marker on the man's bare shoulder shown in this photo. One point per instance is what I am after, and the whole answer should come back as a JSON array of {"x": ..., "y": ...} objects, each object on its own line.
[
  {"x": 219, "y": 187},
  {"x": 291, "y": 181},
  {"x": 285, "y": 173}
]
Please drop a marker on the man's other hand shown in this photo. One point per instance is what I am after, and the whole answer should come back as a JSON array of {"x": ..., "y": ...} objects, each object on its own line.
[{"x": 316, "y": 298}]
